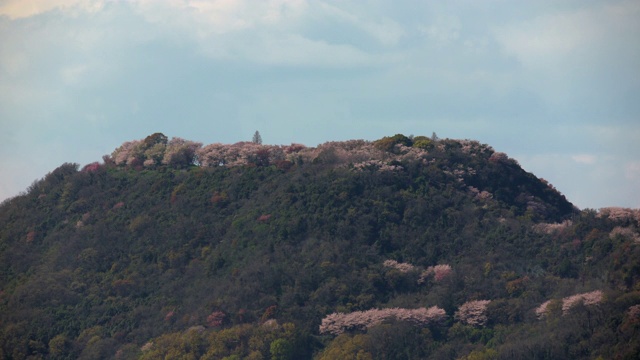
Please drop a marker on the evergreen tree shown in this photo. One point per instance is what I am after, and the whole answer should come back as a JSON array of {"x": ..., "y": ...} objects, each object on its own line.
[{"x": 257, "y": 139}]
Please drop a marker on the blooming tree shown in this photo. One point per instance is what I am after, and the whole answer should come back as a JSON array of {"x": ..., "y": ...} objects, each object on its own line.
[
  {"x": 94, "y": 166},
  {"x": 588, "y": 299},
  {"x": 215, "y": 319},
  {"x": 625, "y": 232},
  {"x": 502, "y": 158},
  {"x": 620, "y": 214},
  {"x": 402, "y": 267},
  {"x": 180, "y": 152},
  {"x": 337, "y": 323},
  {"x": 541, "y": 311},
  {"x": 439, "y": 273},
  {"x": 473, "y": 312}
]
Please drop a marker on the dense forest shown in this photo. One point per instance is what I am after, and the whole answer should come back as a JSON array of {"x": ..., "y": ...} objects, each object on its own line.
[{"x": 400, "y": 248}]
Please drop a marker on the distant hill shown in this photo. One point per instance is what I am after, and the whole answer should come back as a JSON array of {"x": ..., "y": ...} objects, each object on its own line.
[{"x": 400, "y": 248}]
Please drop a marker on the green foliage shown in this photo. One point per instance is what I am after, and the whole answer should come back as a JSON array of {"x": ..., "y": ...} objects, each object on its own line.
[
  {"x": 422, "y": 142},
  {"x": 388, "y": 143}
]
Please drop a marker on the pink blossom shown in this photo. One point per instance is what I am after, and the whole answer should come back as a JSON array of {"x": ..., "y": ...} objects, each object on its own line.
[
  {"x": 588, "y": 299},
  {"x": 439, "y": 272},
  {"x": 402, "y": 267},
  {"x": 215, "y": 319},
  {"x": 94, "y": 166},
  {"x": 502, "y": 158},
  {"x": 128, "y": 152},
  {"x": 264, "y": 217},
  {"x": 620, "y": 214},
  {"x": 338, "y": 323},
  {"x": 626, "y": 232},
  {"x": 541, "y": 311},
  {"x": 169, "y": 315},
  {"x": 473, "y": 312},
  {"x": 180, "y": 152},
  {"x": 146, "y": 347}
]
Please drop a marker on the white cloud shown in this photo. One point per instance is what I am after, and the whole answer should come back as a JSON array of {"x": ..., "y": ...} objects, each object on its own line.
[
  {"x": 16, "y": 9},
  {"x": 298, "y": 50},
  {"x": 548, "y": 40},
  {"x": 586, "y": 159},
  {"x": 632, "y": 170},
  {"x": 268, "y": 32},
  {"x": 385, "y": 30},
  {"x": 73, "y": 74},
  {"x": 444, "y": 29},
  {"x": 221, "y": 16}
]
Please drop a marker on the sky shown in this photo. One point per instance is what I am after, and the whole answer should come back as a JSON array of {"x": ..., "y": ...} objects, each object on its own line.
[{"x": 555, "y": 84}]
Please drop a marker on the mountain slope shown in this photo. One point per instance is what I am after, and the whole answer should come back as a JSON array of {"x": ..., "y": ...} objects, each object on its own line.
[{"x": 172, "y": 248}]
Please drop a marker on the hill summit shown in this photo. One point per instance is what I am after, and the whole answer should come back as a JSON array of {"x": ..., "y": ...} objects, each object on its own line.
[{"x": 400, "y": 248}]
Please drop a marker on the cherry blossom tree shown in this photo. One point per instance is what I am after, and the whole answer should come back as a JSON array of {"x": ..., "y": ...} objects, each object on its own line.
[
  {"x": 94, "y": 166},
  {"x": 620, "y": 214},
  {"x": 588, "y": 299},
  {"x": 180, "y": 152},
  {"x": 541, "y": 311},
  {"x": 439, "y": 273},
  {"x": 215, "y": 319},
  {"x": 402, "y": 267},
  {"x": 473, "y": 312},
  {"x": 337, "y": 323}
]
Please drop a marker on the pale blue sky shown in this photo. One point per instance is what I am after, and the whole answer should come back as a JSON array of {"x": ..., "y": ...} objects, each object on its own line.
[{"x": 554, "y": 84}]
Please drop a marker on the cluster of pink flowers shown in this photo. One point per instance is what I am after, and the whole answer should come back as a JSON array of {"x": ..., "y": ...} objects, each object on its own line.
[
  {"x": 377, "y": 165},
  {"x": 480, "y": 195},
  {"x": 626, "y": 232},
  {"x": 439, "y": 272},
  {"x": 541, "y": 311},
  {"x": 402, "y": 267},
  {"x": 94, "y": 166},
  {"x": 474, "y": 147},
  {"x": 146, "y": 347},
  {"x": 175, "y": 151},
  {"x": 620, "y": 214},
  {"x": 587, "y": 299},
  {"x": 244, "y": 153},
  {"x": 337, "y": 323},
  {"x": 361, "y": 154},
  {"x": 344, "y": 152},
  {"x": 215, "y": 319},
  {"x": 502, "y": 158},
  {"x": 473, "y": 312}
]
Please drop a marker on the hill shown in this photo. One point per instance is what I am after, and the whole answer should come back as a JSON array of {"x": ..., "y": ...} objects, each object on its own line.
[{"x": 401, "y": 248}]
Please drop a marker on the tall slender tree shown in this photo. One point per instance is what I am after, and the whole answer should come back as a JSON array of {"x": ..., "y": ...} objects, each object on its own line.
[{"x": 257, "y": 139}]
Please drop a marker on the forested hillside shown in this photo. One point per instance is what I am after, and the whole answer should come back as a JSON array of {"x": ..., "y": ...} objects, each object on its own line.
[{"x": 401, "y": 248}]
